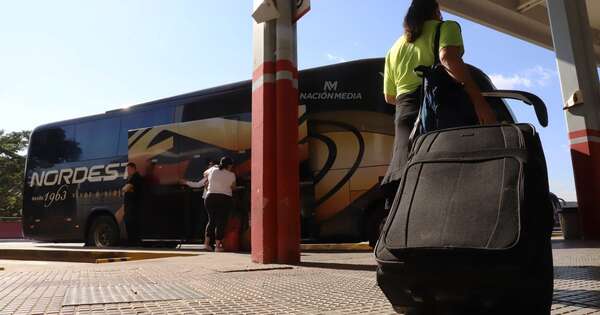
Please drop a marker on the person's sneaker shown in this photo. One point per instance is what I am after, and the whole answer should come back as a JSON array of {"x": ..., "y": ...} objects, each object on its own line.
[
  {"x": 208, "y": 248},
  {"x": 219, "y": 249}
]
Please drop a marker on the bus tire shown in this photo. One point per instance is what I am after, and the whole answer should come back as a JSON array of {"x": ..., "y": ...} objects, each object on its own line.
[{"x": 104, "y": 232}]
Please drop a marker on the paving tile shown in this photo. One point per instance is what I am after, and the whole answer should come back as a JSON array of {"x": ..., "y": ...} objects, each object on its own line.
[{"x": 207, "y": 290}]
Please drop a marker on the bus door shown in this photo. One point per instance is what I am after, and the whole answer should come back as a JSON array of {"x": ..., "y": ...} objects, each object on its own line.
[
  {"x": 164, "y": 202},
  {"x": 198, "y": 143},
  {"x": 49, "y": 200},
  {"x": 51, "y": 212}
]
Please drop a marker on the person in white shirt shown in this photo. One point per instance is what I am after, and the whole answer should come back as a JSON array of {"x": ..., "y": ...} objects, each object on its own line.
[
  {"x": 218, "y": 201},
  {"x": 203, "y": 182},
  {"x": 211, "y": 165}
]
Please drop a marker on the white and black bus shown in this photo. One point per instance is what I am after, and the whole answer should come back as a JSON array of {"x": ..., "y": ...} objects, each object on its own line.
[{"x": 76, "y": 168}]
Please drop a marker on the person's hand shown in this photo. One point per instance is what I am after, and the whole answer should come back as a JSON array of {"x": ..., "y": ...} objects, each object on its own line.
[
  {"x": 182, "y": 182},
  {"x": 485, "y": 114},
  {"x": 127, "y": 188}
]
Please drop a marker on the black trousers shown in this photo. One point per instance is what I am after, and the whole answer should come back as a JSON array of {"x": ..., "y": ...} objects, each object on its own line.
[
  {"x": 217, "y": 208},
  {"x": 132, "y": 224},
  {"x": 407, "y": 106}
]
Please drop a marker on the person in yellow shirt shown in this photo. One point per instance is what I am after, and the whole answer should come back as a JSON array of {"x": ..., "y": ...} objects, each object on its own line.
[{"x": 402, "y": 86}]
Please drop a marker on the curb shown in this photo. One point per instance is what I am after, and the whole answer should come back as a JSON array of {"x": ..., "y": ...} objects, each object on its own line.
[
  {"x": 109, "y": 260},
  {"x": 83, "y": 256}
]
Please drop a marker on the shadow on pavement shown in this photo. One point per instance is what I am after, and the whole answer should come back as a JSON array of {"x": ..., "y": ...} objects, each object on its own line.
[
  {"x": 338, "y": 266},
  {"x": 590, "y": 299},
  {"x": 332, "y": 251},
  {"x": 566, "y": 244}
]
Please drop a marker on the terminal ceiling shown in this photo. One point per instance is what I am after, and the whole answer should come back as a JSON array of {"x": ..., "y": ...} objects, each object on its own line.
[{"x": 525, "y": 19}]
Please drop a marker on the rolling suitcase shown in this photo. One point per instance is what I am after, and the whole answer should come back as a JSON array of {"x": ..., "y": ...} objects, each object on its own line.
[{"x": 470, "y": 226}]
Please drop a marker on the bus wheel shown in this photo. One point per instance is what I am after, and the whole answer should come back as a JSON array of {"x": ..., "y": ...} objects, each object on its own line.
[{"x": 104, "y": 232}]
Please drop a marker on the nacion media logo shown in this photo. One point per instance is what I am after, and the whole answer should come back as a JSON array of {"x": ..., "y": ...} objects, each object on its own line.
[{"x": 330, "y": 92}]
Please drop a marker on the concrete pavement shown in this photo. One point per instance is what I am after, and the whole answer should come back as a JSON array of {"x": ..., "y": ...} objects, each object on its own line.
[{"x": 228, "y": 283}]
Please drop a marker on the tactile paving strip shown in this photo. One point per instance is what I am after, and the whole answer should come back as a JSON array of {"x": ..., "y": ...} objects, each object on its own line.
[
  {"x": 128, "y": 293},
  {"x": 297, "y": 291}
]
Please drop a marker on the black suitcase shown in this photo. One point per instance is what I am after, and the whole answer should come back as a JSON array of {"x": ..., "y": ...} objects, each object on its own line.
[{"x": 470, "y": 226}]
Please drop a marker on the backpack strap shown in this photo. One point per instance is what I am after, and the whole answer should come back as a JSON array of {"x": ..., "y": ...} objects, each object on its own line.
[
  {"x": 436, "y": 43},
  {"x": 423, "y": 69}
]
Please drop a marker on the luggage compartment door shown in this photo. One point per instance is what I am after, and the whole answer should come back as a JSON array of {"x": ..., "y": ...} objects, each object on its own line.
[{"x": 164, "y": 202}]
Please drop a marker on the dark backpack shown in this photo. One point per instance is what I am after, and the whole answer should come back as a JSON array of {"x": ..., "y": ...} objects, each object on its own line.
[{"x": 445, "y": 104}]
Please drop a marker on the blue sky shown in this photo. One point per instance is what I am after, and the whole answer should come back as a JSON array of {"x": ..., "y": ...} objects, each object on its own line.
[{"x": 63, "y": 59}]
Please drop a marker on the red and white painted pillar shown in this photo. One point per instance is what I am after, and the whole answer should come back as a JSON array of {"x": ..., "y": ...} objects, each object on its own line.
[
  {"x": 275, "y": 217},
  {"x": 577, "y": 67},
  {"x": 585, "y": 154},
  {"x": 288, "y": 187},
  {"x": 263, "y": 216}
]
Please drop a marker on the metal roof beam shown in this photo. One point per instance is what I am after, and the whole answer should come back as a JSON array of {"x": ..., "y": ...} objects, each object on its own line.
[
  {"x": 527, "y": 5},
  {"x": 501, "y": 18},
  {"x": 503, "y": 15}
]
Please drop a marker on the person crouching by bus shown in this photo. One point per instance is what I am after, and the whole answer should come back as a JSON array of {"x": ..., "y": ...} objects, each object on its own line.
[
  {"x": 219, "y": 199},
  {"x": 132, "y": 201}
]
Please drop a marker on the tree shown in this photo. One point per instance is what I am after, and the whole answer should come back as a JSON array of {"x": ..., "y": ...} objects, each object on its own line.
[{"x": 12, "y": 167}]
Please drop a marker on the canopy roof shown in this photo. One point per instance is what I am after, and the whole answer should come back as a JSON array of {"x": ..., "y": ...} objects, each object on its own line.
[{"x": 525, "y": 19}]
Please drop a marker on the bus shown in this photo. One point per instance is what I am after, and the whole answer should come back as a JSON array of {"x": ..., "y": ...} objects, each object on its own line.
[{"x": 75, "y": 168}]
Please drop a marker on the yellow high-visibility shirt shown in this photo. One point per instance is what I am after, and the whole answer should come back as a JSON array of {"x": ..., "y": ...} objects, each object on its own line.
[{"x": 399, "y": 76}]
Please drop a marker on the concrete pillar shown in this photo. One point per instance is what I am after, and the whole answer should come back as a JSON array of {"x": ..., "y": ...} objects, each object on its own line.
[
  {"x": 263, "y": 217},
  {"x": 275, "y": 217},
  {"x": 580, "y": 88},
  {"x": 288, "y": 189}
]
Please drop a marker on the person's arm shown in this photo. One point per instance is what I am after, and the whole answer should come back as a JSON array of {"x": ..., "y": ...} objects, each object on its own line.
[
  {"x": 389, "y": 85},
  {"x": 451, "y": 59},
  {"x": 199, "y": 184},
  {"x": 132, "y": 184},
  {"x": 233, "y": 184},
  {"x": 127, "y": 188},
  {"x": 390, "y": 99}
]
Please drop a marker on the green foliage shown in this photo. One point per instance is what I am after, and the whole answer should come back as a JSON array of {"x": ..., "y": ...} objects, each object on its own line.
[{"x": 12, "y": 167}]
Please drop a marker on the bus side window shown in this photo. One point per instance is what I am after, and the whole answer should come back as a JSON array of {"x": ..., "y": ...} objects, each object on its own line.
[
  {"x": 151, "y": 118},
  {"x": 223, "y": 104},
  {"x": 97, "y": 138},
  {"x": 52, "y": 146}
]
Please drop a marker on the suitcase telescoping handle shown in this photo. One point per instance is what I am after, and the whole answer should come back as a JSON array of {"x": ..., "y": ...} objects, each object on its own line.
[
  {"x": 538, "y": 105},
  {"x": 528, "y": 98}
]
